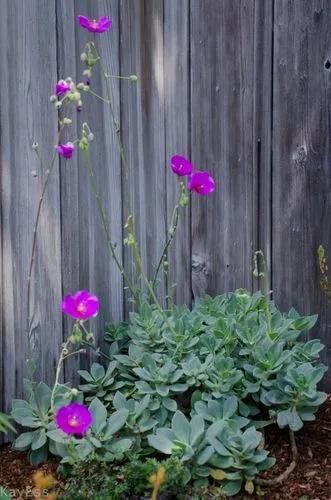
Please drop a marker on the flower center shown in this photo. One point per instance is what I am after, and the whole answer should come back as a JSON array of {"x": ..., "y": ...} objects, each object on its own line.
[
  {"x": 199, "y": 188},
  {"x": 74, "y": 421},
  {"x": 81, "y": 308},
  {"x": 94, "y": 24}
]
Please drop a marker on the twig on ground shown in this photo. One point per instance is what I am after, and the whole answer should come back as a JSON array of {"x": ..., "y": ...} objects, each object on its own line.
[{"x": 282, "y": 477}]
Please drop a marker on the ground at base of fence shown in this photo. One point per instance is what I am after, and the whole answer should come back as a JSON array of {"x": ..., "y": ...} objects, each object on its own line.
[{"x": 311, "y": 480}]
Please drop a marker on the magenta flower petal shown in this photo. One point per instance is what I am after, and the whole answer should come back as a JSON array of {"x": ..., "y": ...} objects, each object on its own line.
[
  {"x": 66, "y": 150},
  {"x": 84, "y": 22},
  {"x": 94, "y": 26},
  {"x": 201, "y": 183},
  {"x": 74, "y": 418},
  {"x": 62, "y": 87},
  {"x": 181, "y": 165},
  {"x": 82, "y": 305}
]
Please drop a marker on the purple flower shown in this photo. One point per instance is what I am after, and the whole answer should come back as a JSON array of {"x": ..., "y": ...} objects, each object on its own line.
[
  {"x": 82, "y": 305},
  {"x": 201, "y": 183},
  {"x": 74, "y": 418},
  {"x": 66, "y": 150},
  {"x": 181, "y": 165},
  {"x": 62, "y": 87},
  {"x": 100, "y": 26}
]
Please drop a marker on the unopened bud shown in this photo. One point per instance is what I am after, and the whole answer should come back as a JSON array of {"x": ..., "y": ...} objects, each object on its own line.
[
  {"x": 83, "y": 56},
  {"x": 83, "y": 144},
  {"x": 90, "y": 136},
  {"x": 35, "y": 146},
  {"x": 133, "y": 78},
  {"x": 67, "y": 121},
  {"x": 58, "y": 104},
  {"x": 87, "y": 72},
  {"x": 52, "y": 98},
  {"x": 74, "y": 392}
]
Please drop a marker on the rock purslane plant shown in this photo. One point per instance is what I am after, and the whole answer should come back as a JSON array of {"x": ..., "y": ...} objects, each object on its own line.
[
  {"x": 245, "y": 369},
  {"x": 196, "y": 385}
]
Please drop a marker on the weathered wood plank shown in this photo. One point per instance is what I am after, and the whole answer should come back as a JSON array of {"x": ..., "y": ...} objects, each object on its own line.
[
  {"x": 262, "y": 130},
  {"x": 87, "y": 262},
  {"x": 301, "y": 158},
  {"x": 28, "y": 76},
  {"x": 222, "y": 54},
  {"x": 177, "y": 139},
  {"x": 142, "y": 113}
]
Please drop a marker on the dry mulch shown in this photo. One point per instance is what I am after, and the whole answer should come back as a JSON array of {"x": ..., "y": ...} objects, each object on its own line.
[{"x": 311, "y": 480}]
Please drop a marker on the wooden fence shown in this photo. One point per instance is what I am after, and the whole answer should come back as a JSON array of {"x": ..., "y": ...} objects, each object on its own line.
[{"x": 242, "y": 87}]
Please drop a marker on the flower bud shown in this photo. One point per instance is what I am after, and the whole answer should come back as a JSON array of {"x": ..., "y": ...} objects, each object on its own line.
[
  {"x": 58, "y": 105},
  {"x": 74, "y": 392},
  {"x": 90, "y": 136},
  {"x": 67, "y": 121},
  {"x": 133, "y": 78},
  {"x": 83, "y": 144},
  {"x": 35, "y": 146},
  {"x": 52, "y": 98},
  {"x": 87, "y": 72},
  {"x": 83, "y": 56}
]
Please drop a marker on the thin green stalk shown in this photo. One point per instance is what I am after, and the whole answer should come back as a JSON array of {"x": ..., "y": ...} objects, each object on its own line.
[
  {"x": 131, "y": 223},
  {"x": 261, "y": 271},
  {"x": 35, "y": 230},
  {"x": 155, "y": 299},
  {"x": 92, "y": 346},
  {"x": 65, "y": 354},
  {"x": 105, "y": 224},
  {"x": 124, "y": 162},
  {"x": 171, "y": 235}
]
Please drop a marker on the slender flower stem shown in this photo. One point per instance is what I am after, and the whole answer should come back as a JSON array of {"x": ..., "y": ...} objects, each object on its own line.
[
  {"x": 34, "y": 241},
  {"x": 171, "y": 235},
  {"x": 155, "y": 299},
  {"x": 92, "y": 346},
  {"x": 131, "y": 224},
  {"x": 58, "y": 372},
  {"x": 97, "y": 350},
  {"x": 124, "y": 162},
  {"x": 65, "y": 354},
  {"x": 105, "y": 224}
]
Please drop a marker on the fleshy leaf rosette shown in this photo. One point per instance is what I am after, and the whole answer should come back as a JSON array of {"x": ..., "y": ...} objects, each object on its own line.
[
  {"x": 74, "y": 418},
  {"x": 201, "y": 183},
  {"x": 94, "y": 26},
  {"x": 82, "y": 305}
]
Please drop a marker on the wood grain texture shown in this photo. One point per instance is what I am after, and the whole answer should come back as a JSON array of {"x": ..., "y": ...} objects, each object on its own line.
[
  {"x": 25, "y": 91},
  {"x": 262, "y": 131},
  {"x": 87, "y": 262},
  {"x": 177, "y": 137},
  {"x": 222, "y": 54},
  {"x": 142, "y": 123},
  {"x": 242, "y": 87},
  {"x": 301, "y": 158}
]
